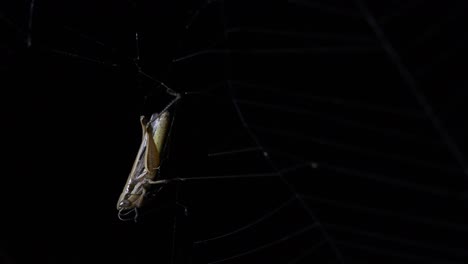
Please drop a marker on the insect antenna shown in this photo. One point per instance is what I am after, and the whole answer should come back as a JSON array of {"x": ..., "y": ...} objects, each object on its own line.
[{"x": 123, "y": 213}]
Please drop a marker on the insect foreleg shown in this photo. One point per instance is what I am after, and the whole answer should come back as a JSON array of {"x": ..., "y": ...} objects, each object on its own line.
[{"x": 158, "y": 182}]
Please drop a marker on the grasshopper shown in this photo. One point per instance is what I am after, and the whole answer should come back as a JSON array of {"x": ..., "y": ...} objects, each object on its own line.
[{"x": 146, "y": 165}]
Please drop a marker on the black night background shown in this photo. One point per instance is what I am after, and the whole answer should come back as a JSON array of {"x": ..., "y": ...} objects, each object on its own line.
[{"x": 309, "y": 131}]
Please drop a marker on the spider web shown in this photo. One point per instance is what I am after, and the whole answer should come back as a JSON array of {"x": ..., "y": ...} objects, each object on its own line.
[{"x": 326, "y": 142}]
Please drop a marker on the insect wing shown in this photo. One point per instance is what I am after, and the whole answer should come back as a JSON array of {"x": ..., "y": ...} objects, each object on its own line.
[
  {"x": 138, "y": 168},
  {"x": 158, "y": 130}
]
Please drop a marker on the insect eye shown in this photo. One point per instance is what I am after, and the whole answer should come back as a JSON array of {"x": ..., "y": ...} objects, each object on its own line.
[{"x": 124, "y": 203}]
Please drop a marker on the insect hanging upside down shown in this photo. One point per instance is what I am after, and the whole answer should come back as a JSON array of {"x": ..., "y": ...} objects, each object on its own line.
[{"x": 146, "y": 165}]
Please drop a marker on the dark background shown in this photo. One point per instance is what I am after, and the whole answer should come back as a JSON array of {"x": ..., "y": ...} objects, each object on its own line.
[{"x": 359, "y": 105}]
